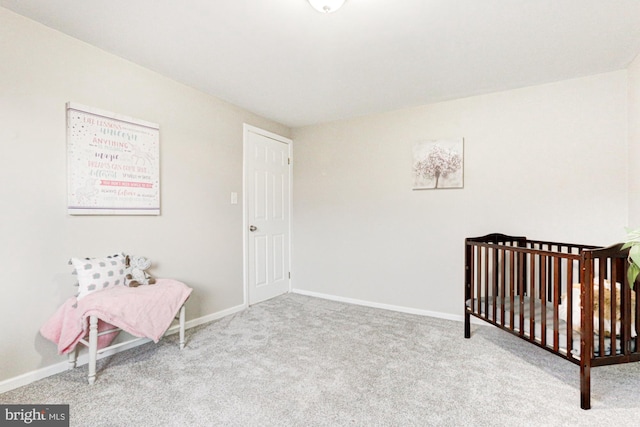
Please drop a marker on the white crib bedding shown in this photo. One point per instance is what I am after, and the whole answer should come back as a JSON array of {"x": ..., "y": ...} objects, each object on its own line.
[{"x": 574, "y": 352}]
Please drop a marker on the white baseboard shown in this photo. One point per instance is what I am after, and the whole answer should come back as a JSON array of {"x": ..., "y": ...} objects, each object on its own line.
[
  {"x": 399, "y": 308},
  {"x": 83, "y": 357}
]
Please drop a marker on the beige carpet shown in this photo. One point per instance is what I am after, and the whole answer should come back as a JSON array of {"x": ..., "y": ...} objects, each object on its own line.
[{"x": 302, "y": 361}]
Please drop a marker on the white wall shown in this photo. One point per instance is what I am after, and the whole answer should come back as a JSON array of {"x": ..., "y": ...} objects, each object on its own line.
[
  {"x": 634, "y": 143},
  {"x": 196, "y": 239},
  {"x": 548, "y": 162}
]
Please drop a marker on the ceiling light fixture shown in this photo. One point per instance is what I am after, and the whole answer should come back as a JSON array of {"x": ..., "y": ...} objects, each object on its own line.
[{"x": 326, "y": 6}]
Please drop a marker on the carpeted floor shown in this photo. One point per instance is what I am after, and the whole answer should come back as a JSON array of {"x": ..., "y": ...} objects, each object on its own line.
[{"x": 302, "y": 361}]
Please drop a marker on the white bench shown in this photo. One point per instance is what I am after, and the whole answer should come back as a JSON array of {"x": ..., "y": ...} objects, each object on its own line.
[{"x": 92, "y": 343}]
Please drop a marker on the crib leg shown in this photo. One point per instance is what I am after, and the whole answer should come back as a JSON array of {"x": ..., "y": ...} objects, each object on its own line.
[
  {"x": 182, "y": 316},
  {"x": 73, "y": 356},
  {"x": 93, "y": 348},
  {"x": 585, "y": 386},
  {"x": 467, "y": 324}
]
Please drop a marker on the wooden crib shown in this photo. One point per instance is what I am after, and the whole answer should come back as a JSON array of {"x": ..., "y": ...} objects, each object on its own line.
[{"x": 536, "y": 290}]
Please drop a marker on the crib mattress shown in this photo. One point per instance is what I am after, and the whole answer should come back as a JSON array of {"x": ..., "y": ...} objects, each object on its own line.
[{"x": 573, "y": 352}]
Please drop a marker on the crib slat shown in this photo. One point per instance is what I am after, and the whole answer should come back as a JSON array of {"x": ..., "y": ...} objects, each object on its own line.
[
  {"x": 569, "y": 306},
  {"x": 543, "y": 299},
  {"x": 486, "y": 283},
  {"x": 489, "y": 293},
  {"x": 556, "y": 300},
  {"x": 511, "y": 288},
  {"x": 502, "y": 271},
  {"x": 602, "y": 273},
  {"x": 521, "y": 289},
  {"x": 615, "y": 311},
  {"x": 635, "y": 318},
  {"x": 494, "y": 283},
  {"x": 532, "y": 298},
  {"x": 479, "y": 280}
]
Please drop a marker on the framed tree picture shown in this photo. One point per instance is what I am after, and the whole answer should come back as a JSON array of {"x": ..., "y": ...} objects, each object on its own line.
[
  {"x": 438, "y": 164},
  {"x": 113, "y": 163}
]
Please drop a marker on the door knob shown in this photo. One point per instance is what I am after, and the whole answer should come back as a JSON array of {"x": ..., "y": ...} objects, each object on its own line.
[{"x": 252, "y": 228}]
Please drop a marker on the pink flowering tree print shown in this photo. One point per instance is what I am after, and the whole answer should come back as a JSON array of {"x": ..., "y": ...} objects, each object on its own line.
[{"x": 438, "y": 164}]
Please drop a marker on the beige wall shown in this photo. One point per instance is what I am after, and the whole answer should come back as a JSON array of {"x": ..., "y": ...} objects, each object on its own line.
[
  {"x": 548, "y": 162},
  {"x": 634, "y": 143},
  {"x": 198, "y": 236}
]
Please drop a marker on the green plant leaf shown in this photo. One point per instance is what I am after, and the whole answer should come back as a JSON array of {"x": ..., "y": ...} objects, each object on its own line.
[
  {"x": 633, "y": 234},
  {"x": 627, "y": 245},
  {"x": 632, "y": 274},
  {"x": 634, "y": 254}
]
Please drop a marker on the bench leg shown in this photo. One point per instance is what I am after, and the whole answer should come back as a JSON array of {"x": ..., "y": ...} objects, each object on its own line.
[
  {"x": 182, "y": 316},
  {"x": 93, "y": 348},
  {"x": 72, "y": 358}
]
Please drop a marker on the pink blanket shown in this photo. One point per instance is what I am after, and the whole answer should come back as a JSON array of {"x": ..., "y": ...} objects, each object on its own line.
[{"x": 145, "y": 311}]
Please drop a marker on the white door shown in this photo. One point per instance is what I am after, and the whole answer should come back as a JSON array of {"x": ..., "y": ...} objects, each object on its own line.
[{"x": 267, "y": 178}]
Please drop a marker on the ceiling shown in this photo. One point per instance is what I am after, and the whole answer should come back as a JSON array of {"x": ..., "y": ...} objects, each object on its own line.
[{"x": 287, "y": 62}]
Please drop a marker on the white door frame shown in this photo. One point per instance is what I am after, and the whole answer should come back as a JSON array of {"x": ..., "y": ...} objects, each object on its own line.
[{"x": 246, "y": 128}]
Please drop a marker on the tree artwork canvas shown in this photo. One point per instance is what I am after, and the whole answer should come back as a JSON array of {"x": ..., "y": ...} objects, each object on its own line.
[{"x": 438, "y": 164}]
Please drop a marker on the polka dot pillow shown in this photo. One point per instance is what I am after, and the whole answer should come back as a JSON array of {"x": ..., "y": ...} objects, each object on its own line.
[{"x": 96, "y": 274}]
